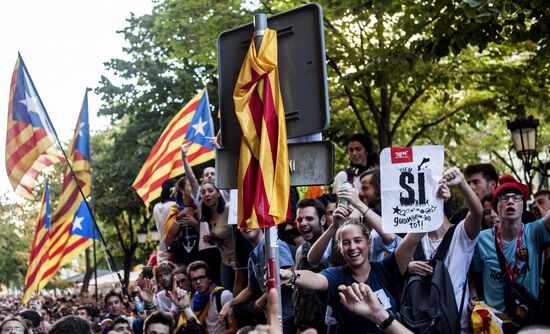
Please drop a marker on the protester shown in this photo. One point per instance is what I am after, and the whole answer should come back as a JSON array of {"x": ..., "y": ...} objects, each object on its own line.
[{"x": 519, "y": 243}]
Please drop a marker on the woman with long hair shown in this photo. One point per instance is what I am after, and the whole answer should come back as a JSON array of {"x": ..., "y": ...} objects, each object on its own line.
[{"x": 215, "y": 212}]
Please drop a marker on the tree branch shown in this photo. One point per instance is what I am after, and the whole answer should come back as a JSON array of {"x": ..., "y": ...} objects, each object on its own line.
[
  {"x": 512, "y": 168},
  {"x": 405, "y": 110},
  {"x": 119, "y": 236},
  {"x": 350, "y": 97},
  {"x": 436, "y": 122}
]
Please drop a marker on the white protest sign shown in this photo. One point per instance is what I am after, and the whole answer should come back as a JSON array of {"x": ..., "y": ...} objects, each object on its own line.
[{"x": 409, "y": 179}]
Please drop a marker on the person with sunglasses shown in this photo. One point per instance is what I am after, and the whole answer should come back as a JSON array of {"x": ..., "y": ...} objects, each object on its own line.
[{"x": 519, "y": 243}]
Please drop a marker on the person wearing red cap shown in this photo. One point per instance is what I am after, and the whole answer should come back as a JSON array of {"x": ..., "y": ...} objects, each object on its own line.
[{"x": 520, "y": 243}]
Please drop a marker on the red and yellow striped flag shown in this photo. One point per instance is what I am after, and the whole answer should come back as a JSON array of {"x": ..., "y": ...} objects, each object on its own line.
[
  {"x": 264, "y": 175},
  {"x": 66, "y": 242},
  {"x": 38, "y": 257},
  {"x": 30, "y": 135},
  {"x": 192, "y": 125}
]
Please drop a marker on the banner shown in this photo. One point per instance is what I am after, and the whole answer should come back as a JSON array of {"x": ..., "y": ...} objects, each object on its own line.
[{"x": 409, "y": 179}]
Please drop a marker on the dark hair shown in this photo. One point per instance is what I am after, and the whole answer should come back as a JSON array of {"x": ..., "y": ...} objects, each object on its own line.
[
  {"x": 32, "y": 316},
  {"x": 86, "y": 308},
  {"x": 488, "y": 171},
  {"x": 206, "y": 214},
  {"x": 367, "y": 145},
  {"x": 315, "y": 203},
  {"x": 111, "y": 294},
  {"x": 191, "y": 326},
  {"x": 70, "y": 324},
  {"x": 375, "y": 183},
  {"x": 166, "y": 194},
  {"x": 542, "y": 192},
  {"x": 487, "y": 198},
  {"x": 147, "y": 272},
  {"x": 120, "y": 320},
  {"x": 328, "y": 198},
  {"x": 159, "y": 318},
  {"x": 196, "y": 265}
]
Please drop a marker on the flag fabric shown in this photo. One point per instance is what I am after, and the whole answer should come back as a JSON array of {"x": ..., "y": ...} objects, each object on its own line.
[
  {"x": 38, "y": 257},
  {"x": 30, "y": 135},
  {"x": 264, "y": 174},
  {"x": 72, "y": 222},
  {"x": 192, "y": 125}
]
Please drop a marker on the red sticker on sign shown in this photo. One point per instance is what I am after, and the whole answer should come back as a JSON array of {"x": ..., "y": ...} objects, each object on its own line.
[{"x": 401, "y": 155}]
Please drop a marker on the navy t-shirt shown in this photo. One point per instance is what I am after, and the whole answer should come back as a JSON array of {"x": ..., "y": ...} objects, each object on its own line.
[{"x": 390, "y": 283}]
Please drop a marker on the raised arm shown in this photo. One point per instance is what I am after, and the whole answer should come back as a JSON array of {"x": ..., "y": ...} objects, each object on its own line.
[
  {"x": 189, "y": 171},
  {"x": 472, "y": 224},
  {"x": 372, "y": 220},
  {"x": 405, "y": 251},
  {"x": 315, "y": 254}
]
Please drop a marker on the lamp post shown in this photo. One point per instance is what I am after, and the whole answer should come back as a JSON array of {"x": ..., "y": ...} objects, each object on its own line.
[
  {"x": 524, "y": 138},
  {"x": 142, "y": 235}
]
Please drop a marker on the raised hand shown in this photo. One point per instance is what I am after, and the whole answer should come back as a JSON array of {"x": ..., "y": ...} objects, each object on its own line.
[{"x": 146, "y": 291}]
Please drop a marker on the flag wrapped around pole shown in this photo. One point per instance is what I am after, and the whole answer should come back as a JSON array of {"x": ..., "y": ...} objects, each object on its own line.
[
  {"x": 263, "y": 174},
  {"x": 38, "y": 256},
  {"x": 72, "y": 222},
  {"x": 30, "y": 144},
  {"x": 192, "y": 125}
]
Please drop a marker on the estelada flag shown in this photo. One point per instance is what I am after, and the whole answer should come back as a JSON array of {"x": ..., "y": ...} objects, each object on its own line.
[
  {"x": 264, "y": 174},
  {"x": 38, "y": 256},
  {"x": 192, "y": 125},
  {"x": 72, "y": 218},
  {"x": 30, "y": 135}
]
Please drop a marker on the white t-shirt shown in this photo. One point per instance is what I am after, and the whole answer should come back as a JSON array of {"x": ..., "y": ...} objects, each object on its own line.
[
  {"x": 160, "y": 212},
  {"x": 213, "y": 325},
  {"x": 457, "y": 262},
  {"x": 164, "y": 303}
]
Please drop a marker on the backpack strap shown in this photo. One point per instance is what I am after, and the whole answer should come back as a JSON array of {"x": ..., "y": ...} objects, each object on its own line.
[
  {"x": 444, "y": 245},
  {"x": 419, "y": 254}
]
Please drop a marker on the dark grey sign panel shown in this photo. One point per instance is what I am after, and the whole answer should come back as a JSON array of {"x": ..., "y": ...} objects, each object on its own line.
[{"x": 302, "y": 72}]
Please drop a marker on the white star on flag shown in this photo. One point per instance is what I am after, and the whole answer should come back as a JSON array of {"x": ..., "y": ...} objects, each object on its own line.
[
  {"x": 199, "y": 127},
  {"x": 80, "y": 133},
  {"x": 77, "y": 223},
  {"x": 31, "y": 102}
]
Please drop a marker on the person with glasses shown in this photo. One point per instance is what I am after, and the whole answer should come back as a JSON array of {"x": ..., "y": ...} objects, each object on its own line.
[
  {"x": 12, "y": 325},
  {"x": 208, "y": 299},
  {"x": 519, "y": 243}
]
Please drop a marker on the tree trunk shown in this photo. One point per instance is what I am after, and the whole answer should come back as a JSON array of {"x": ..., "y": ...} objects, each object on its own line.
[{"x": 89, "y": 271}]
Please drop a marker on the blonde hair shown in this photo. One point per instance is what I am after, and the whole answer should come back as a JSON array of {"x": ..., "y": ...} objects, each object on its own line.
[{"x": 362, "y": 227}]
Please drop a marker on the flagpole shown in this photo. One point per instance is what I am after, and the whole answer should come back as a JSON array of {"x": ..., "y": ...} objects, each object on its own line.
[
  {"x": 73, "y": 176},
  {"x": 271, "y": 238},
  {"x": 93, "y": 203}
]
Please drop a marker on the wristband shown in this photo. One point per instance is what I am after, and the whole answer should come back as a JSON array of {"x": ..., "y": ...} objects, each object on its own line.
[
  {"x": 364, "y": 213},
  {"x": 386, "y": 323},
  {"x": 149, "y": 306},
  {"x": 185, "y": 307}
]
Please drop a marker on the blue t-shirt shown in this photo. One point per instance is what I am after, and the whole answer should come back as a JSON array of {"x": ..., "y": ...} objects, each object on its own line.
[
  {"x": 535, "y": 235},
  {"x": 350, "y": 322}
]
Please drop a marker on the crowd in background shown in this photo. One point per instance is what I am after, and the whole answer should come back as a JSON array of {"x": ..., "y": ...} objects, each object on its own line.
[{"x": 340, "y": 271}]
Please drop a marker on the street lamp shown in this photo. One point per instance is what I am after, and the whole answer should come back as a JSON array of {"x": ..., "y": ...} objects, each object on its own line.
[
  {"x": 524, "y": 137},
  {"x": 155, "y": 233},
  {"x": 142, "y": 235}
]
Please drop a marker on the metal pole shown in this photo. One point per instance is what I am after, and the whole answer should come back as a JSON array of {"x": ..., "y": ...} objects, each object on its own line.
[{"x": 271, "y": 239}]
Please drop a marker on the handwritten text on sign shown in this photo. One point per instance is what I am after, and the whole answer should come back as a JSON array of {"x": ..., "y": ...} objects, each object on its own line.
[{"x": 409, "y": 178}]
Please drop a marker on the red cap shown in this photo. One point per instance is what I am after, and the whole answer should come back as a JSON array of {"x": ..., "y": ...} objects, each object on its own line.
[{"x": 509, "y": 184}]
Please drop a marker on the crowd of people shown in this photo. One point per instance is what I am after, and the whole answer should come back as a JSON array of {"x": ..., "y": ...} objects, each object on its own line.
[{"x": 340, "y": 272}]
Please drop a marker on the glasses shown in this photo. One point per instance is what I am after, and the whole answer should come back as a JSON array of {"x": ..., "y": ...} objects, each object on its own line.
[
  {"x": 198, "y": 278},
  {"x": 514, "y": 197},
  {"x": 16, "y": 330}
]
